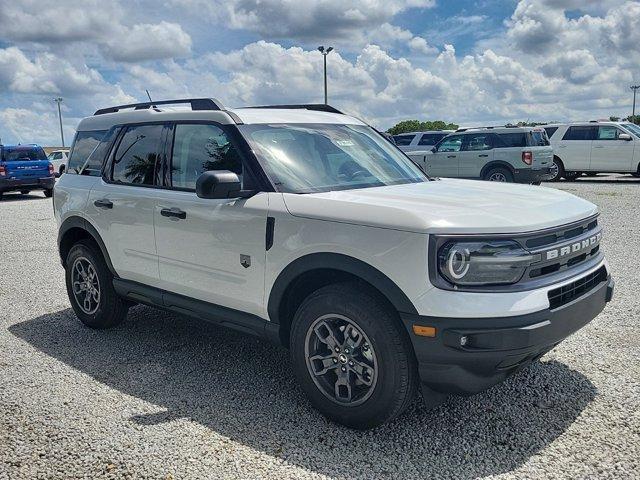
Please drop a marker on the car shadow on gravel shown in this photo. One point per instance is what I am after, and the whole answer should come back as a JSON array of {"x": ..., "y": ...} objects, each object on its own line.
[
  {"x": 243, "y": 389},
  {"x": 18, "y": 197}
]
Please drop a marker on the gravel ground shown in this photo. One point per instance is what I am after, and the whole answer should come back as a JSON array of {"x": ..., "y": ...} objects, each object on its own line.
[{"x": 166, "y": 397}]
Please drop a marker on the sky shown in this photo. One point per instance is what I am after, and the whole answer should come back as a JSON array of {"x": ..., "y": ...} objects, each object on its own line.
[{"x": 472, "y": 62}]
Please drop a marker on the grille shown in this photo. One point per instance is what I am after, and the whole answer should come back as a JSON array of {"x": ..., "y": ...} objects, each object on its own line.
[
  {"x": 563, "y": 295},
  {"x": 560, "y": 235}
]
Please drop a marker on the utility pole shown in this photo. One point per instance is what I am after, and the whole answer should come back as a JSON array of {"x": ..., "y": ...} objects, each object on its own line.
[
  {"x": 633, "y": 115},
  {"x": 58, "y": 100},
  {"x": 325, "y": 52}
]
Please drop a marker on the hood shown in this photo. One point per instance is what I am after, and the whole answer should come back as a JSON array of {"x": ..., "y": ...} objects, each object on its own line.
[{"x": 446, "y": 206}]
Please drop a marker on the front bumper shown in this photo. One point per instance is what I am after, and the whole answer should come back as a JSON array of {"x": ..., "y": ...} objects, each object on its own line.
[
  {"x": 469, "y": 355},
  {"x": 12, "y": 184},
  {"x": 528, "y": 175}
]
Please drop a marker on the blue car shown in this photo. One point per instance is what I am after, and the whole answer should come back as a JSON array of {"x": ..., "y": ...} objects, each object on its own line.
[{"x": 25, "y": 168}]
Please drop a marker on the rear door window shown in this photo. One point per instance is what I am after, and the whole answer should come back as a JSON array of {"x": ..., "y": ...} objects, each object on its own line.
[
  {"x": 581, "y": 132},
  {"x": 135, "y": 161},
  {"x": 403, "y": 140},
  {"x": 478, "y": 141},
  {"x": 550, "y": 131},
  {"x": 538, "y": 138},
  {"x": 83, "y": 146}
]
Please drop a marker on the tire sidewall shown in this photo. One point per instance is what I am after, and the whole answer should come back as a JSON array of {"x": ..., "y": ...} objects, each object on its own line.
[
  {"x": 85, "y": 249},
  {"x": 507, "y": 174},
  {"x": 384, "y": 396}
]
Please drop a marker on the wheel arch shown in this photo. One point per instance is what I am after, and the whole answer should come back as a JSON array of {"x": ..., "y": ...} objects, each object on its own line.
[
  {"x": 497, "y": 164},
  {"x": 77, "y": 228},
  {"x": 311, "y": 272}
]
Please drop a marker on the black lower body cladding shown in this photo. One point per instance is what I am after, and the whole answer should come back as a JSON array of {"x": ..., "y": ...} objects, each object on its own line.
[
  {"x": 529, "y": 175},
  {"x": 469, "y": 355}
]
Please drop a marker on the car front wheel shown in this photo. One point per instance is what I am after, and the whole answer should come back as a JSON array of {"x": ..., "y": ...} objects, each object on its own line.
[{"x": 352, "y": 356}]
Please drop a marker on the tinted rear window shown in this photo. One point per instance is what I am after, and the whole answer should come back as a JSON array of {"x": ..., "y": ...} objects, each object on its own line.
[
  {"x": 83, "y": 146},
  {"x": 515, "y": 139},
  {"x": 136, "y": 158},
  {"x": 580, "y": 132},
  {"x": 22, "y": 154},
  {"x": 550, "y": 131},
  {"x": 403, "y": 140}
]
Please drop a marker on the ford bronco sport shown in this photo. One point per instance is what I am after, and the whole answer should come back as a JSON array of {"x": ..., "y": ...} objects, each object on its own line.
[{"x": 304, "y": 226}]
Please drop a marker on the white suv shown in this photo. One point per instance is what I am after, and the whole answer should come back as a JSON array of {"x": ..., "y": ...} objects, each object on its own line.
[
  {"x": 59, "y": 160},
  {"x": 594, "y": 147},
  {"x": 305, "y": 226}
]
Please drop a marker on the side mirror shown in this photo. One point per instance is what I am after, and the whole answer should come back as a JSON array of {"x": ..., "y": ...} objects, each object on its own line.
[
  {"x": 624, "y": 136},
  {"x": 220, "y": 184},
  {"x": 434, "y": 150}
]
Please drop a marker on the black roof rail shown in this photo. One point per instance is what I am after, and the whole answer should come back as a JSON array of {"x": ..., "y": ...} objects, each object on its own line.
[
  {"x": 318, "y": 107},
  {"x": 491, "y": 127},
  {"x": 196, "y": 104}
]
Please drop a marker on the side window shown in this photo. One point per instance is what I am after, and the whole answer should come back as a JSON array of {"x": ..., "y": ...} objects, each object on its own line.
[
  {"x": 136, "y": 158},
  {"x": 83, "y": 145},
  {"x": 550, "y": 131},
  {"x": 608, "y": 132},
  {"x": 451, "y": 144},
  {"x": 403, "y": 140},
  {"x": 579, "y": 132},
  {"x": 515, "y": 139},
  {"x": 479, "y": 141},
  {"x": 200, "y": 148}
]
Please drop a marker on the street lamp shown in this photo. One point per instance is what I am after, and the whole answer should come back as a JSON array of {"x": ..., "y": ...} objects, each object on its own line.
[
  {"x": 325, "y": 52},
  {"x": 58, "y": 100},
  {"x": 633, "y": 115}
]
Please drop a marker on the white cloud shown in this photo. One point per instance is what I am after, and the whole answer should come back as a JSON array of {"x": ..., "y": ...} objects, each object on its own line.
[{"x": 100, "y": 23}]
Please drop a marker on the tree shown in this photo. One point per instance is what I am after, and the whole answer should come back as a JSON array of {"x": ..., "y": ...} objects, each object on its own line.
[
  {"x": 633, "y": 119},
  {"x": 418, "y": 126},
  {"x": 614, "y": 119}
]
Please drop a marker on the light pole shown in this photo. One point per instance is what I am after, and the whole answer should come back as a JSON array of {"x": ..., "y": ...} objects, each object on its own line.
[
  {"x": 633, "y": 115},
  {"x": 325, "y": 52},
  {"x": 58, "y": 100}
]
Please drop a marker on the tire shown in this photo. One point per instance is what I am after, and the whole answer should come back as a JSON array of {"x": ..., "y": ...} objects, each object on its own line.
[
  {"x": 537, "y": 184},
  {"x": 25, "y": 192},
  {"x": 591, "y": 174},
  {"x": 381, "y": 342},
  {"x": 557, "y": 169},
  {"x": 48, "y": 192},
  {"x": 498, "y": 174},
  {"x": 104, "y": 310},
  {"x": 636, "y": 174},
  {"x": 61, "y": 171},
  {"x": 571, "y": 176}
]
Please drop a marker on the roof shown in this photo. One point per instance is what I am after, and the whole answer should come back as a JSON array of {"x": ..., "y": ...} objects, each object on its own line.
[
  {"x": 423, "y": 131},
  {"x": 505, "y": 129},
  {"x": 586, "y": 124},
  {"x": 157, "y": 112}
]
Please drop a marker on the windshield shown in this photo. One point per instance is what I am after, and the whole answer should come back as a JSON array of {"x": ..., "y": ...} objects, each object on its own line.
[
  {"x": 539, "y": 138},
  {"x": 307, "y": 158},
  {"x": 632, "y": 127},
  {"x": 14, "y": 154}
]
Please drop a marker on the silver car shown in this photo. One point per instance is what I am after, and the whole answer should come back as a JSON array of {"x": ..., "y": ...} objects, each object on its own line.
[
  {"x": 499, "y": 154},
  {"x": 419, "y": 141}
]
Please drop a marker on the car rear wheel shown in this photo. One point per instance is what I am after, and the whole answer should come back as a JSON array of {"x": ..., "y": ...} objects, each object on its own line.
[
  {"x": 90, "y": 288},
  {"x": 498, "y": 174},
  {"x": 352, "y": 356},
  {"x": 48, "y": 192},
  {"x": 557, "y": 170}
]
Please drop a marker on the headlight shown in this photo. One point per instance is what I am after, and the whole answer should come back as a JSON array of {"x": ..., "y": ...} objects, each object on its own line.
[{"x": 483, "y": 262}]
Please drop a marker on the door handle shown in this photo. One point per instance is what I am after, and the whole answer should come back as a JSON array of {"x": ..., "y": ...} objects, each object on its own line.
[
  {"x": 103, "y": 203},
  {"x": 174, "y": 213},
  {"x": 483, "y": 155},
  {"x": 562, "y": 146},
  {"x": 451, "y": 156}
]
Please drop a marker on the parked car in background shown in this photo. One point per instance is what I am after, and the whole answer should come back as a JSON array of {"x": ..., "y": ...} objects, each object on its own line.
[
  {"x": 497, "y": 154},
  {"x": 594, "y": 147},
  {"x": 59, "y": 159},
  {"x": 414, "y": 141},
  {"x": 24, "y": 168},
  {"x": 305, "y": 226}
]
